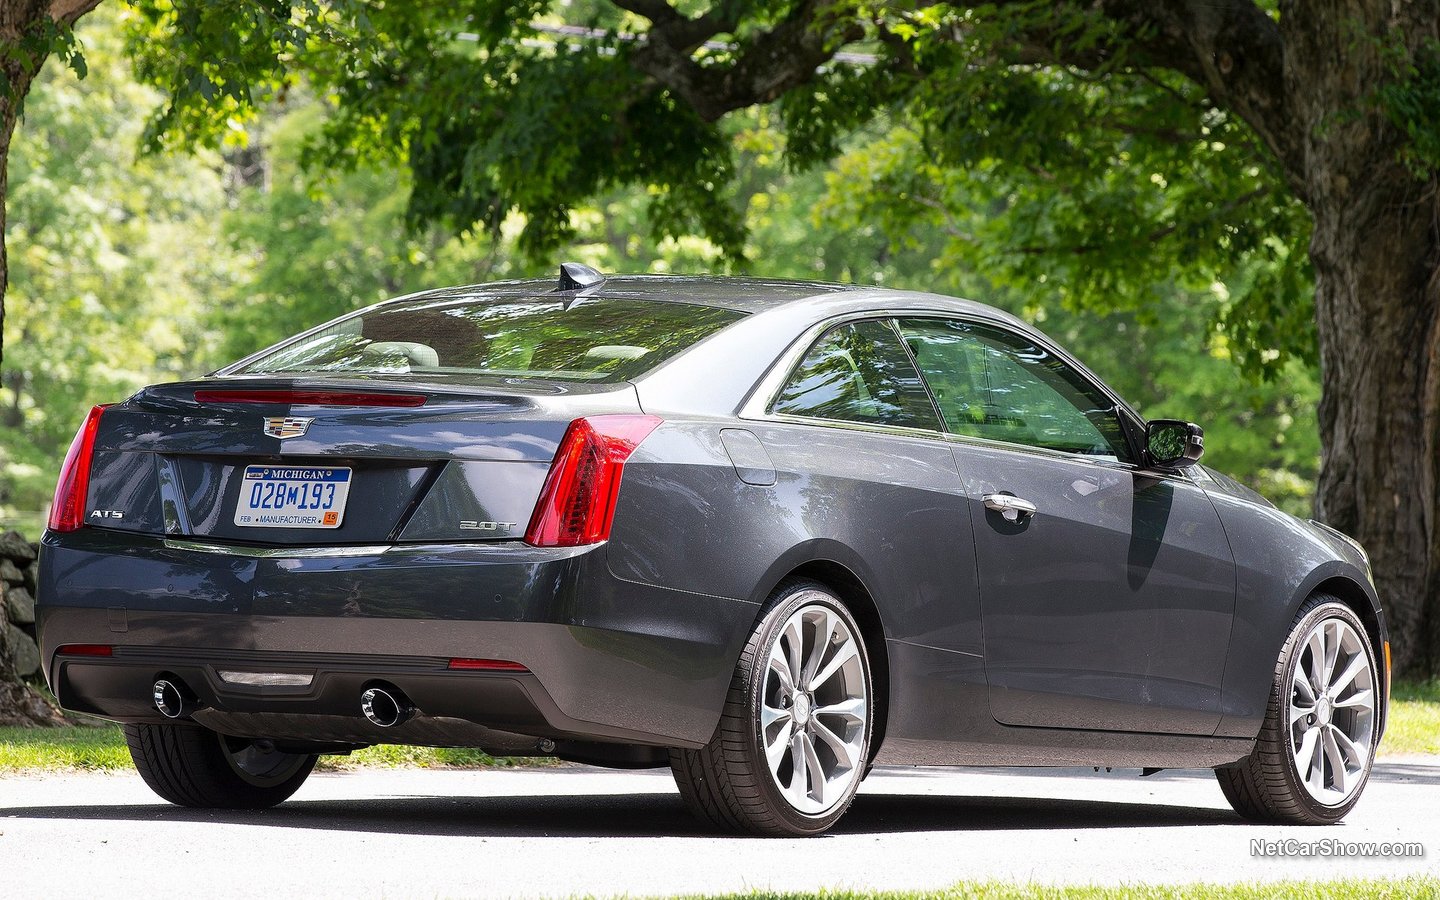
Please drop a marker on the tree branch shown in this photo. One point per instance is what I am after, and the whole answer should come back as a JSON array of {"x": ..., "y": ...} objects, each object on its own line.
[
  {"x": 1231, "y": 48},
  {"x": 70, "y": 11},
  {"x": 765, "y": 66}
]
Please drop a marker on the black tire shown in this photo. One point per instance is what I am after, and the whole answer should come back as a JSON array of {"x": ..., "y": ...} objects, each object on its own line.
[
  {"x": 1267, "y": 785},
  {"x": 193, "y": 766},
  {"x": 728, "y": 783}
]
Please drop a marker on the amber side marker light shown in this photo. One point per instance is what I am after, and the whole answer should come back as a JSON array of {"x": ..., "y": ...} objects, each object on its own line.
[
  {"x": 487, "y": 665},
  {"x": 1387, "y": 675},
  {"x": 87, "y": 650}
]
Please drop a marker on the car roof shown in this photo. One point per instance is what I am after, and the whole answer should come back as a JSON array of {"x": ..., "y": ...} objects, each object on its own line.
[{"x": 743, "y": 294}]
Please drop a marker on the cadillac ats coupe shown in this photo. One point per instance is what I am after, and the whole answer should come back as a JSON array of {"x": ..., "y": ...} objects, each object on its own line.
[{"x": 769, "y": 534}]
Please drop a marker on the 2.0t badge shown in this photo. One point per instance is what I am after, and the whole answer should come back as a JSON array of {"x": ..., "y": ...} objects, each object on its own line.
[{"x": 286, "y": 426}]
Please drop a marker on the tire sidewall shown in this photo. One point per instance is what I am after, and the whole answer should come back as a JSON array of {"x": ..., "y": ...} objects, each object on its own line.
[
  {"x": 783, "y": 607},
  {"x": 1326, "y": 608}
]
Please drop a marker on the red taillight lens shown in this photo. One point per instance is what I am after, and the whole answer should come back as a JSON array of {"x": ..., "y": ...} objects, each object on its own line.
[
  {"x": 86, "y": 650},
  {"x": 311, "y": 398},
  {"x": 577, "y": 504},
  {"x": 487, "y": 665},
  {"x": 67, "y": 510}
]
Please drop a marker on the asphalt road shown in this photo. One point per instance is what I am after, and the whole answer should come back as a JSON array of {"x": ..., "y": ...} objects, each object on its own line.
[{"x": 578, "y": 831}]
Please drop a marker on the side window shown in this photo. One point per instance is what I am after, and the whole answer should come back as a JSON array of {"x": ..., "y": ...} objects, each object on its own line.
[
  {"x": 992, "y": 384},
  {"x": 858, "y": 372}
]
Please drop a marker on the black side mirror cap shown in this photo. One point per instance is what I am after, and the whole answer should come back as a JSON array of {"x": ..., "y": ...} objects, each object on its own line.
[{"x": 1173, "y": 443}]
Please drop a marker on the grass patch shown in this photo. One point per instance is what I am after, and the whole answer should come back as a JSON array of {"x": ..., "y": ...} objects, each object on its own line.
[
  {"x": 63, "y": 749},
  {"x": 1382, "y": 888},
  {"x": 1414, "y": 725},
  {"x": 103, "y": 750}
]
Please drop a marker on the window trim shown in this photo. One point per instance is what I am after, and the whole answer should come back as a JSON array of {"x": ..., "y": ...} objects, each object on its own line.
[{"x": 758, "y": 405}]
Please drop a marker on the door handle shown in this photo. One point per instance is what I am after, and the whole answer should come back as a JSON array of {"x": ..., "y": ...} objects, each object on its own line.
[{"x": 1010, "y": 507}]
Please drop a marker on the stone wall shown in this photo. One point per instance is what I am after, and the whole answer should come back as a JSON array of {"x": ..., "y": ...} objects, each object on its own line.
[
  {"x": 22, "y": 702},
  {"x": 19, "y": 657}
]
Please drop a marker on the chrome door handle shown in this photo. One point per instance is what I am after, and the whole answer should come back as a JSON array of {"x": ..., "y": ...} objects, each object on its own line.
[{"x": 1010, "y": 507}]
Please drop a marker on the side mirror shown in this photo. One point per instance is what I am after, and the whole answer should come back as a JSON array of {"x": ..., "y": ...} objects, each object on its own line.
[{"x": 1173, "y": 444}]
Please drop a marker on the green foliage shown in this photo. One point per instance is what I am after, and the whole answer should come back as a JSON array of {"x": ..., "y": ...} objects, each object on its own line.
[
  {"x": 113, "y": 259},
  {"x": 1410, "y": 99},
  {"x": 44, "y": 40}
]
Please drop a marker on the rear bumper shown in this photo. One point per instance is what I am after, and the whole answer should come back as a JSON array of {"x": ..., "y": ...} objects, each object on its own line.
[{"x": 607, "y": 659}]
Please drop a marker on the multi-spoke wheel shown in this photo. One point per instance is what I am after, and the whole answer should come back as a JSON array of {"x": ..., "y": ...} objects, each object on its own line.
[
  {"x": 193, "y": 766},
  {"x": 794, "y": 739},
  {"x": 1315, "y": 747}
]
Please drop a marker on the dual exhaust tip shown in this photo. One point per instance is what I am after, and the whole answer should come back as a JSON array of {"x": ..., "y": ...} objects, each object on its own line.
[{"x": 382, "y": 705}]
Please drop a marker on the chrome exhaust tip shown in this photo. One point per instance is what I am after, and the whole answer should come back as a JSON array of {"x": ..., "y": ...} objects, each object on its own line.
[
  {"x": 172, "y": 700},
  {"x": 385, "y": 707}
]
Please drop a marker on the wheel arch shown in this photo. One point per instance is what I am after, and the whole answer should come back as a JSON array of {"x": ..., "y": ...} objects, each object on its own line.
[
  {"x": 1365, "y": 606},
  {"x": 859, "y": 599}
]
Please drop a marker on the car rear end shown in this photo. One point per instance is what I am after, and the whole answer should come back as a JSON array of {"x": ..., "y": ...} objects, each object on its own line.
[{"x": 391, "y": 529}]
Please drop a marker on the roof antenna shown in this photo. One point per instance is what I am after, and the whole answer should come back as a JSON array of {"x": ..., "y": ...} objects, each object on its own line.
[{"x": 578, "y": 277}]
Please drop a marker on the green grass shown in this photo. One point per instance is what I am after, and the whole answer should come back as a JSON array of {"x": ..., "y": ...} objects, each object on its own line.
[
  {"x": 1385, "y": 889},
  {"x": 62, "y": 749},
  {"x": 103, "y": 749},
  {"x": 1414, "y": 725}
]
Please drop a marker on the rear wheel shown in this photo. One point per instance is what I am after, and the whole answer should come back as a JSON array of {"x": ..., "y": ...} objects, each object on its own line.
[
  {"x": 794, "y": 739},
  {"x": 193, "y": 766},
  {"x": 1316, "y": 745}
]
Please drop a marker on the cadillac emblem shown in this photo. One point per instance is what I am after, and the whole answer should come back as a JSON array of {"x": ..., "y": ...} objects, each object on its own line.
[{"x": 286, "y": 426}]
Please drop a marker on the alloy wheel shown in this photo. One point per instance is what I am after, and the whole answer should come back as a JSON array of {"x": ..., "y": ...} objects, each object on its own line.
[
  {"x": 1332, "y": 711},
  {"x": 814, "y": 710}
]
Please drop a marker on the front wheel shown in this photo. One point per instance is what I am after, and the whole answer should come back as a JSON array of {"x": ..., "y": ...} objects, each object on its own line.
[
  {"x": 794, "y": 739},
  {"x": 1318, "y": 740},
  {"x": 193, "y": 766}
]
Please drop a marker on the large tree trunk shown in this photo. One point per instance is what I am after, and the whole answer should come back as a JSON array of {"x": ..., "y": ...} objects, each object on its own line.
[
  {"x": 1376, "y": 250},
  {"x": 1377, "y": 304}
]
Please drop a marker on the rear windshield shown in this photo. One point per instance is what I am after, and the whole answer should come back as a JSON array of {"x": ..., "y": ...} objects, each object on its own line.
[{"x": 587, "y": 339}]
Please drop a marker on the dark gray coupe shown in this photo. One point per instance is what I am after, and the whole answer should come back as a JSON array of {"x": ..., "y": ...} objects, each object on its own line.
[{"x": 767, "y": 533}]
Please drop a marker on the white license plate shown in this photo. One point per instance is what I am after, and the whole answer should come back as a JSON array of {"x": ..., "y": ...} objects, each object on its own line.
[{"x": 292, "y": 497}]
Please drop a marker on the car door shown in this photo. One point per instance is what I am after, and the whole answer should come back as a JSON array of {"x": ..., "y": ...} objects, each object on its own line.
[{"x": 1108, "y": 606}]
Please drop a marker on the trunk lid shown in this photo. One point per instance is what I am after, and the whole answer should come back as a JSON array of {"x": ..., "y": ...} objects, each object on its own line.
[{"x": 419, "y": 460}]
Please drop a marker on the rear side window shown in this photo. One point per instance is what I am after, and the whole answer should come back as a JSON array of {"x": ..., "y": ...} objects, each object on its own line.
[
  {"x": 587, "y": 339},
  {"x": 859, "y": 373},
  {"x": 993, "y": 384}
]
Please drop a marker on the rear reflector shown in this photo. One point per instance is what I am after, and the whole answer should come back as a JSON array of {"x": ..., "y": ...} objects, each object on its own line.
[
  {"x": 86, "y": 650},
  {"x": 577, "y": 504},
  {"x": 67, "y": 510},
  {"x": 492, "y": 665},
  {"x": 311, "y": 398}
]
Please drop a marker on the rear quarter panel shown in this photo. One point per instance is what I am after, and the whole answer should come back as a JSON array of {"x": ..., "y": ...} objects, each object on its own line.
[{"x": 889, "y": 508}]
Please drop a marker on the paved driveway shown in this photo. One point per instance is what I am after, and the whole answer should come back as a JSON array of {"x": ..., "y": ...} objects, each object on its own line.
[{"x": 561, "y": 832}]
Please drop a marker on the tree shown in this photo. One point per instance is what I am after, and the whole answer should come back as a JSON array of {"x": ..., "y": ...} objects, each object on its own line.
[{"x": 1300, "y": 140}]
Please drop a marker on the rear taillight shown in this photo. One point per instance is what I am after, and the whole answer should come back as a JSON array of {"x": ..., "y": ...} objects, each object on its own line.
[
  {"x": 67, "y": 510},
  {"x": 577, "y": 505}
]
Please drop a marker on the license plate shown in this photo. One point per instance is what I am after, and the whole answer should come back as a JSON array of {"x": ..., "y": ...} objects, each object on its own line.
[{"x": 292, "y": 497}]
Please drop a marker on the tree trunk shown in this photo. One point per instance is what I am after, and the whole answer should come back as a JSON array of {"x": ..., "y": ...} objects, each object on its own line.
[
  {"x": 1376, "y": 252},
  {"x": 1377, "y": 305}
]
